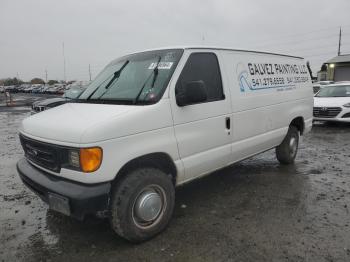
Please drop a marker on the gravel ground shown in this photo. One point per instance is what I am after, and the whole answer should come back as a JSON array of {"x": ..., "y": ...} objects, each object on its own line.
[{"x": 256, "y": 210}]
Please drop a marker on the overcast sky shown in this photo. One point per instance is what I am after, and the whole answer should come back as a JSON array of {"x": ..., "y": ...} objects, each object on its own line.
[{"x": 95, "y": 32}]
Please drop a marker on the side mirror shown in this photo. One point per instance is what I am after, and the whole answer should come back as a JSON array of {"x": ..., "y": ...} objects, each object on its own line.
[{"x": 191, "y": 93}]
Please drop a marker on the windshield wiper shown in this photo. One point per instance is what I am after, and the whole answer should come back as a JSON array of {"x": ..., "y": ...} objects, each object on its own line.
[
  {"x": 115, "y": 76},
  {"x": 155, "y": 75}
]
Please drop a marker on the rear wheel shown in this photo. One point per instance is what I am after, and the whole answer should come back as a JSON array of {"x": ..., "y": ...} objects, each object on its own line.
[
  {"x": 142, "y": 204},
  {"x": 287, "y": 150}
]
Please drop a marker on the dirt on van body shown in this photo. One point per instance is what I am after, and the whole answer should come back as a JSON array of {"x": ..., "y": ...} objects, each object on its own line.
[{"x": 255, "y": 210}]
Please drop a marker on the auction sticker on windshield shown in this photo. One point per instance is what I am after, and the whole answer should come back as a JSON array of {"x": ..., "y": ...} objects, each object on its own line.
[{"x": 161, "y": 65}]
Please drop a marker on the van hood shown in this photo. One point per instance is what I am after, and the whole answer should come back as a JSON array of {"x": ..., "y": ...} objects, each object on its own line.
[
  {"x": 330, "y": 101},
  {"x": 81, "y": 123},
  {"x": 68, "y": 122}
]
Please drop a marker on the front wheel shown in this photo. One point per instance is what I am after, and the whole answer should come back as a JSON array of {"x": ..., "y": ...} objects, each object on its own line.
[
  {"x": 287, "y": 150},
  {"x": 142, "y": 204}
]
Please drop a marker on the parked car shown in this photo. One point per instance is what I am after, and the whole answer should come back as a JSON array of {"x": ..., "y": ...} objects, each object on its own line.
[
  {"x": 60, "y": 90},
  {"x": 332, "y": 103},
  {"x": 20, "y": 89},
  {"x": 44, "y": 89},
  {"x": 50, "y": 90},
  {"x": 70, "y": 94},
  {"x": 28, "y": 89},
  {"x": 36, "y": 89},
  {"x": 157, "y": 119},
  {"x": 55, "y": 89},
  {"x": 318, "y": 85},
  {"x": 11, "y": 89}
]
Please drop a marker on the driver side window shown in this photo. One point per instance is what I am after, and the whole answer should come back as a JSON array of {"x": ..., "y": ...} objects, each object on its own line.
[{"x": 202, "y": 67}]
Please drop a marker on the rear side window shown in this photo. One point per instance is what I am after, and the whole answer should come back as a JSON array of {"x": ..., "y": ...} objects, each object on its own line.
[{"x": 204, "y": 67}]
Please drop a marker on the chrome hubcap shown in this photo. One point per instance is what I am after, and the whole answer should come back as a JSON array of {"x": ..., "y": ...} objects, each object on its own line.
[
  {"x": 293, "y": 146},
  {"x": 149, "y": 206}
]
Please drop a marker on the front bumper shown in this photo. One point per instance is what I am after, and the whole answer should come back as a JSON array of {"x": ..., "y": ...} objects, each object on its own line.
[
  {"x": 68, "y": 197},
  {"x": 342, "y": 116},
  {"x": 335, "y": 119}
]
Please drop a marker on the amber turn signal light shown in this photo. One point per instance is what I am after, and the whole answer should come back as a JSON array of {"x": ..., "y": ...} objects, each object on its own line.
[{"x": 90, "y": 159}]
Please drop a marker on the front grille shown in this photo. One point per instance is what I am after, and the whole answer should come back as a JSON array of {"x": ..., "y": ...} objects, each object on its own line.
[
  {"x": 326, "y": 112},
  {"x": 42, "y": 154},
  {"x": 38, "y": 108}
]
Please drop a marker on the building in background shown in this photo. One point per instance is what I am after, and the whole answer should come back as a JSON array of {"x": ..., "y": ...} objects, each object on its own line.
[{"x": 335, "y": 69}]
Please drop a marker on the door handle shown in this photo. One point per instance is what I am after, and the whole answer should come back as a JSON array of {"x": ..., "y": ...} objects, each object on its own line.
[{"x": 228, "y": 123}]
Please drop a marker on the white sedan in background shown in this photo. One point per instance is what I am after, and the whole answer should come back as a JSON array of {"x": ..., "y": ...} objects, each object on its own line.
[{"x": 332, "y": 103}]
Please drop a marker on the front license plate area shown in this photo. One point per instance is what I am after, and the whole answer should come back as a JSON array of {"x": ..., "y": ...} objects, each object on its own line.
[{"x": 59, "y": 204}]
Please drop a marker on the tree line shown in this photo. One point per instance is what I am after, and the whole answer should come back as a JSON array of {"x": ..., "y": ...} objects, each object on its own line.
[{"x": 16, "y": 81}]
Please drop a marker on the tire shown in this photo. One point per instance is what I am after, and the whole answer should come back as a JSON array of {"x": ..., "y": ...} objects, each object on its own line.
[
  {"x": 136, "y": 214},
  {"x": 287, "y": 150}
]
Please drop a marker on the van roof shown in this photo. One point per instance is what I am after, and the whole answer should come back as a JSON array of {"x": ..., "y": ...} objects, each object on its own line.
[{"x": 218, "y": 48}]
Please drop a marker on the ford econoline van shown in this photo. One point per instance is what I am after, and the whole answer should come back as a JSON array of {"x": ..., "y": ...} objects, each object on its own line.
[{"x": 156, "y": 119}]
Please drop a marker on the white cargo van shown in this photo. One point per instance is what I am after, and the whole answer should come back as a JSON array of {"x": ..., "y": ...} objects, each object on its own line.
[{"x": 156, "y": 119}]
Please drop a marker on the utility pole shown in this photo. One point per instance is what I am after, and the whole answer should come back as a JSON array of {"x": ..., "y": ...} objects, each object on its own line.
[
  {"x": 339, "y": 42},
  {"x": 89, "y": 72},
  {"x": 46, "y": 76},
  {"x": 64, "y": 63}
]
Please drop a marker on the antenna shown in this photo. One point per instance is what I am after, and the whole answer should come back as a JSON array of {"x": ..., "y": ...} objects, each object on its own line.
[
  {"x": 339, "y": 42},
  {"x": 46, "y": 75}
]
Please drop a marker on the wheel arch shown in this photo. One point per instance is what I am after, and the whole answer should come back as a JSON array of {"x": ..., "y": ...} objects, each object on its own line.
[
  {"x": 299, "y": 123},
  {"x": 158, "y": 160}
]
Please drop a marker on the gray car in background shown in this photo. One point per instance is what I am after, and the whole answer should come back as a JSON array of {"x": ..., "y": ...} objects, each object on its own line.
[{"x": 70, "y": 94}]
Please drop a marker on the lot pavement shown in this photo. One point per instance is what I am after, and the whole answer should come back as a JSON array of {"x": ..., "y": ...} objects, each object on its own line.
[{"x": 256, "y": 210}]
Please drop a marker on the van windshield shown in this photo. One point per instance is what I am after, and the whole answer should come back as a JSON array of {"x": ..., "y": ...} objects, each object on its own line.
[
  {"x": 134, "y": 79},
  {"x": 334, "y": 91}
]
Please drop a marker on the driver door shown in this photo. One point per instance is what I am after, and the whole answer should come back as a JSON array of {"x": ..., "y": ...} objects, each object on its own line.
[{"x": 203, "y": 130}]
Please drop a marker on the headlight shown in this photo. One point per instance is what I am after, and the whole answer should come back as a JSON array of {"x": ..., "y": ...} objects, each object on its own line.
[
  {"x": 347, "y": 105},
  {"x": 85, "y": 159},
  {"x": 74, "y": 158}
]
